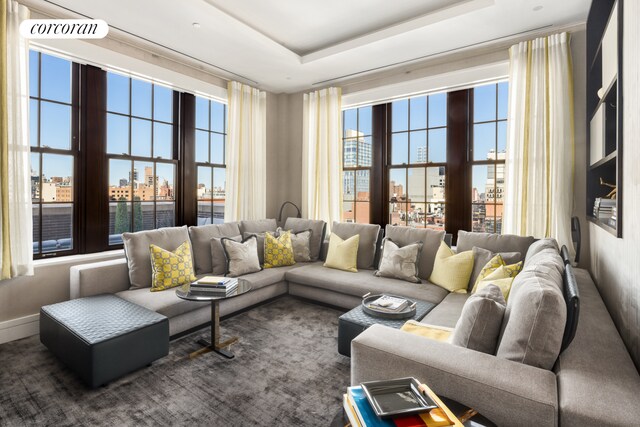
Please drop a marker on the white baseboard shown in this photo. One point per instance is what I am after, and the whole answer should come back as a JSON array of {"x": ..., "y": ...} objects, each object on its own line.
[{"x": 21, "y": 327}]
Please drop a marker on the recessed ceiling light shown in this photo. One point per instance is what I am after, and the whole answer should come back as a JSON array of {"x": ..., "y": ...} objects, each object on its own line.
[
  {"x": 537, "y": 8},
  {"x": 196, "y": 25}
]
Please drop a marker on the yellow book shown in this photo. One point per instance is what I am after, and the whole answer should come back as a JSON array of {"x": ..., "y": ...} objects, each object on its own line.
[
  {"x": 351, "y": 413},
  {"x": 436, "y": 416}
]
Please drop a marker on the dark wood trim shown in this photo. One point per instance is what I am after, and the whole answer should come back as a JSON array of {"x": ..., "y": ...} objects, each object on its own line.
[
  {"x": 187, "y": 170},
  {"x": 378, "y": 195}
]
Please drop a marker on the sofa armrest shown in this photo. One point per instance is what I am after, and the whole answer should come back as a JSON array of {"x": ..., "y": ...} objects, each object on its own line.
[
  {"x": 105, "y": 277},
  {"x": 506, "y": 392}
]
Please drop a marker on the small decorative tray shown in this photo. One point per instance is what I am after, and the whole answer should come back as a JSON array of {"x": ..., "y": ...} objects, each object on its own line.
[
  {"x": 400, "y": 396},
  {"x": 367, "y": 299}
]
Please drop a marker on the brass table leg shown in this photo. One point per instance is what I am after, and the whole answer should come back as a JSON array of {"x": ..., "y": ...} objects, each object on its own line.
[{"x": 217, "y": 346}]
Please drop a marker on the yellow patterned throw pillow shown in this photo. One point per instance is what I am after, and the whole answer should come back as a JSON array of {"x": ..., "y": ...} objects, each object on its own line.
[
  {"x": 171, "y": 269},
  {"x": 495, "y": 263},
  {"x": 451, "y": 270},
  {"x": 500, "y": 277},
  {"x": 278, "y": 251}
]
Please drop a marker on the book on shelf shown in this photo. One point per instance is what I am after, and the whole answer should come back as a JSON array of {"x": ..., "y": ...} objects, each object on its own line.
[{"x": 389, "y": 303}]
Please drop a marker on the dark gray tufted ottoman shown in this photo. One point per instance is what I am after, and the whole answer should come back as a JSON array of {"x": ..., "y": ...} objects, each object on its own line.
[{"x": 103, "y": 337}]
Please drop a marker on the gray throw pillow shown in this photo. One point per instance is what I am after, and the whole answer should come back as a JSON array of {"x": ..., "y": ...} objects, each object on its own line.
[
  {"x": 482, "y": 256},
  {"x": 479, "y": 325},
  {"x": 259, "y": 243},
  {"x": 399, "y": 262},
  {"x": 201, "y": 243},
  {"x": 242, "y": 257},
  {"x": 218, "y": 258},
  {"x": 318, "y": 229},
  {"x": 430, "y": 243},
  {"x": 301, "y": 242}
]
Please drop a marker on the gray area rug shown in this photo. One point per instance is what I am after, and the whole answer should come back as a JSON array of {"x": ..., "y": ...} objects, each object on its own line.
[{"x": 287, "y": 372}]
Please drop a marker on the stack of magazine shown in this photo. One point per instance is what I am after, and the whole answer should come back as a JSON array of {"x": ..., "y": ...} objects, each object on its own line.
[
  {"x": 604, "y": 209},
  {"x": 214, "y": 285},
  {"x": 389, "y": 304}
]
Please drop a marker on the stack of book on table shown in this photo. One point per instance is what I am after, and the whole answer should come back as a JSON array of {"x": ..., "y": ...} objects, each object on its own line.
[
  {"x": 214, "y": 285},
  {"x": 361, "y": 414},
  {"x": 389, "y": 304}
]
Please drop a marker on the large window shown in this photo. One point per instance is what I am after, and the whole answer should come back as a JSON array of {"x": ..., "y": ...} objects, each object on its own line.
[
  {"x": 211, "y": 134},
  {"x": 53, "y": 153},
  {"x": 142, "y": 162},
  {"x": 488, "y": 156},
  {"x": 357, "y": 163}
]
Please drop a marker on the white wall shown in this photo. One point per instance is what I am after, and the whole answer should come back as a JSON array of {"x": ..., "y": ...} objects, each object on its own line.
[{"x": 615, "y": 263}]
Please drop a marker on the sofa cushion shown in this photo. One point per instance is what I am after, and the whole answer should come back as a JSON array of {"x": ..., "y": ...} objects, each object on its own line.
[
  {"x": 480, "y": 321},
  {"x": 535, "y": 318},
  {"x": 399, "y": 262},
  {"x": 447, "y": 313},
  {"x": 362, "y": 282},
  {"x": 343, "y": 254},
  {"x": 430, "y": 243},
  {"x": 482, "y": 256},
  {"x": 218, "y": 258},
  {"x": 164, "y": 302},
  {"x": 318, "y": 229},
  {"x": 540, "y": 245},
  {"x": 451, "y": 270},
  {"x": 258, "y": 226},
  {"x": 367, "y": 247},
  {"x": 494, "y": 242},
  {"x": 201, "y": 243},
  {"x": 136, "y": 249}
]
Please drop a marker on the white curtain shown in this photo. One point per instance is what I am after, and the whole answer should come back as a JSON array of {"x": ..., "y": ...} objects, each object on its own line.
[
  {"x": 540, "y": 141},
  {"x": 322, "y": 155},
  {"x": 16, "y": 250},
  {"x": 246, "y": 173}
]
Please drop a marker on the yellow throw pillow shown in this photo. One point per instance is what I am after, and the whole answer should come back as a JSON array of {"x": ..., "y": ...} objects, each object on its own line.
[
  {"x": 452, "y": 271},
  {"x": 501, "y": 277},
  {"x": 278, "y": 251},
  {"x": 343, "y": 254},
  {"x": 438, "y": 333},
  {"x": 495, "y": 263},
  {"x": 171, "y": 269}
]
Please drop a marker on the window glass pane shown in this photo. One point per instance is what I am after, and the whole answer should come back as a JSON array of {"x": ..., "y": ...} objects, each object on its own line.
[
  {"x": 438, "y": 145},
  {"x": 350, "y": 122},
  {"x": 117, "y": 93},
  {"x": 205, "y": 182},
  {"x": 119, "y": 220},
  {"x": 399, "y": 149},
  {"x": 204, "y": 213},
  {"x": 162, "y": 140},
  {"x": 117, "y": 134},
  {"x": 143, "y": 181},
  {"x": 120, "y": 180},
  {"x": 398, "y": 213},
  {"x": 478, "y": 215},
  {"x": 143, "y": 216},
  {"x": 55, "y": 125},
  {"x": 418, "y": 146},
  {"x": 364, "y": 120},
  {"x": 55, "y": 79},
  {"x": 165, "y": 177},
  {"x": 484, "y": 103},
  {"x": 418, "y": 112},
  {"x": 202, "y": 113},
  {"x": 35, "y": 177},
  {"x": 364, "y": 151},
  {"x": 362, "y": 212},
  {"x": 140, "y": 98},
  {"x": 162, "y": 103},
  {"x": 434, "y": 216},
  {"x": 416, "y": 184},
  {"x": 348, "y": 185},
  {"x": 202, "y": 146},
  {"x": 416, "y": 215},
  {"x": 35, "y": 217},
  {"x": 33, "y": 122},
  {"x": 140, "y": 138},
  {"x": 219, "y": 193},
  {"x": 436, "y": 184},
  {"x": 397, "y": 184},
  {"x": 165, "y": 214},
  {"x": 348, "y": 214},
  {"x": 483, "y": 182},
  {"x": 503, "y": 100},
  {"x": 57, "y": 178},
  {"x": 362, "y": 185},
  {"x": 57, "y": 226},
  {"x": 484, "y": 141},
  {"x": 399, "y": 113},
  {"x": 502, "y": 138},
  {"x": 350, "y": 148},
  {"x": 499, "y": 177},
  {"x": 437, "y": 110},
  {"x": 33, "y": 73},
  {"x": 217, "y": 117},
  {"x": 217, "y": 148}
]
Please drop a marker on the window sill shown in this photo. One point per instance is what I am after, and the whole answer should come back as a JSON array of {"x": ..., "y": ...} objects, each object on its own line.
[{"x": 77, "y": 259}]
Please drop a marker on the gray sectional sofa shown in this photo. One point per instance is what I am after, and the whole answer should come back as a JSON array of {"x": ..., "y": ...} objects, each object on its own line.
[{"x": 592, "y": 382}]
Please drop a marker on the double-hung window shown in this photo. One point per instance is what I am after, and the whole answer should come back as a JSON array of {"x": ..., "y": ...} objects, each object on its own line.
[{"x": 357, "y": 164}]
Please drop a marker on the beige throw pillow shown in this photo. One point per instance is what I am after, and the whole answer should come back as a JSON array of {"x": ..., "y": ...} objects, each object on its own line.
[
  {"x": 452, "y": 271},
  {"x": 399, "y": 262},
  {"x": 343, "y": 254},
  {"x": 242, "y": 257}
]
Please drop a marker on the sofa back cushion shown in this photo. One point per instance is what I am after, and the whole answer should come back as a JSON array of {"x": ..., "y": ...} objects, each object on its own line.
[
  {"x": 258, "y": 226},
  {"x": 540, "y": 246},
  {"x": 201, "y": 244},
  {"x": 494, "y": 242},
  {"x": 136, "y": 249},
  {"x": 369, "y": 240},
  {"x": 318, "y": 229},
  {"x": 536, "y": 315},
  {"x": 430, "y": 239}
]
